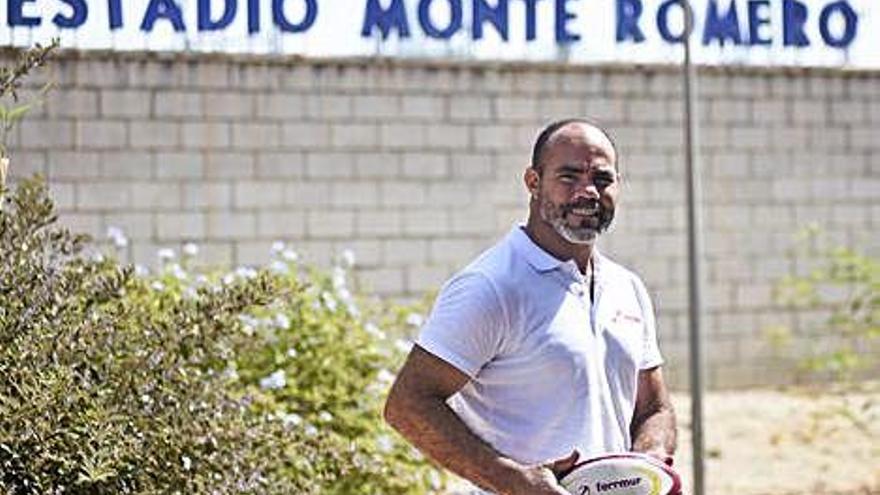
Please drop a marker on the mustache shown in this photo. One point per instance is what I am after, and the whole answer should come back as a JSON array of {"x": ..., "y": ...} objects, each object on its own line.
[{"x": 587, "y": 204}]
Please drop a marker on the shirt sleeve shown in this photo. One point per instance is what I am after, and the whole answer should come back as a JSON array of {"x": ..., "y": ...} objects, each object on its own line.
[
  {"x": 651, "y": 356},
  {"x": 466, "y": 327}
]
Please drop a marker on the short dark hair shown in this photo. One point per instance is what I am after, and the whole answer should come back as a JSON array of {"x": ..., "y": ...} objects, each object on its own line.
[{"x": 547, "y": 132}]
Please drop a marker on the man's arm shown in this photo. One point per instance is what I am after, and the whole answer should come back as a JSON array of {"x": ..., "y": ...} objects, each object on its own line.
[
  {"x": 653, "y": 426},
  {"x": 417, "y": 408}
]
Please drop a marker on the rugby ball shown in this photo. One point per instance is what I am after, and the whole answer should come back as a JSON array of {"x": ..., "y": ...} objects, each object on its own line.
[{"x": 622, "y": 474}]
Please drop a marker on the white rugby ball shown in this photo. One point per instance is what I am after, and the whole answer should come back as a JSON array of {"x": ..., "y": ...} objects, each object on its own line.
[{"x": 622, "y": 474}]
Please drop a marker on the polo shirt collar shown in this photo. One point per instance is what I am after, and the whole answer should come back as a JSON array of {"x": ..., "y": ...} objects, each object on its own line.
[{"x": 541, "y": 260}]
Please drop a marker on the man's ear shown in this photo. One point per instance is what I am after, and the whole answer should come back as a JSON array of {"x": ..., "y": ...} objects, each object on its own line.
[{"x": 532, "y": 180}]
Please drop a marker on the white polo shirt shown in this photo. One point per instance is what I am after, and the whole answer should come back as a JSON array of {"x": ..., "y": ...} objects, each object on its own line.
[{"x": 550, "y": 371}]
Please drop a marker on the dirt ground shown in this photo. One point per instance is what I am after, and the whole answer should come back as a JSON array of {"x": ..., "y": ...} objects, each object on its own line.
[{"x": 795, "y": 442}]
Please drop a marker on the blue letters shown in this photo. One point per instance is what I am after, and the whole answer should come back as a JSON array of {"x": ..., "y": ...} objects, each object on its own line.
[
  {"x": 497, "y": 17},
  {"x": 114, "y": 8},
  {"x": 794, "y": 16},
  {"x": 663, "y": 22},
  {"x": 628, "y": 13},
  {"x": 428, "y": 25},
  {"x": 80, "y": 12},
  {"x": 15, "y": 17},
  {"x": 385, "y": 19},
  {"x": 253, "y": 16},
  {"x": 285, "y": 25},
  {"x": 721, "y": 28},
  {"x": 208, "y": 24},
  {"x": 531, "y": 20},
  {"x": 756, "y": 20},
  {"x": 562, "y": 18},
  {"x": 163, "y": 8},
  {"x": 850, "y": 24}
]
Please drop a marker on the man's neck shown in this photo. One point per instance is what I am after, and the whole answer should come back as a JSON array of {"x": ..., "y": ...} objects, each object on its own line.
[{"x": 549, "y": 240}]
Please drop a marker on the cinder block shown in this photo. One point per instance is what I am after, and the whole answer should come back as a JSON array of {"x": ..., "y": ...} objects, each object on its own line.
[
  {"x": 358, "y": 136},
  {"x": 516, "y": 108},
  {"x": 179, "y": 165},
  {"x": 473, "y": 165},
  {"x": 289, "y": 165},
  {"x": 71, "y": 165},
  {"x": 426, "y": 222},
  {"x": 125, "y": 103},
  {"x": 471, "y": 109},
  {"x": 179, "y": 104},
  {"x": 153, "y": 134},
  {"x": 425, "y": 165},
  {"x": 554, "y": 108},
  {"x": 231, "y": 225},
  {"x": 63, "y": 194},
  {"x": 451, "y": 251},
  {"x": 305, "y": 194},
  {"x": 421, "y": 279},
  {"x": 581, "y": 82},
  {"x": 382, "y": 281},
  {"x": 330, "y": 165},
  {"x": 807, "y": 112},
  {"x": 285, "y": 106},
  {"x": 253, "y": 253},
  {"x": 356, "y": 194},
  {"x": 330, "y": 224},
  {"x": 154, "y": 195},
  {"x": 367, "y": 252},
  {"x": 206, "y": 135},
  {"x": 403, "y": 136},
  {"x": 214, "y": 254},
  {"x": 46, "y": 134},
  {"x": 281, "y": 224},
  {"x": 252, "y": 135},
  {"x": 229, "y": 105},
  {"x": 207, "y": 74},
  {"x": 404, "y": 252},
  {"x": 379, "y": 223},
  {"x": 377, "y": 165},
  {"x": 606, "y": 109},
  {"x": 126, "y": 165},
  {"x": 82, "y": 223},
  {"x": 442, "y": 136},
  {"x": 207, "y": 195},
  {"x": 180, "y": 225},
  {"x": 305, "y": 135},
  {"x": 81, "y": 103},
  {"x": 328, "y": 106},
  {"x": 102, "y": 195},
  {"x": 422, "y": 107},
  {"x": 864, "y": 138},
  {"x": 402, "y": 193},
  {"x": 94, "y": 134},
  {"x": 376, "y": 107},
  {"x": 229, "y": 165},
  {"x": 848, "y": 111},
  {"x": 258, "y": 194},
  {"x": 450, "y": 194},
  {"x": 493, "y": 137}
]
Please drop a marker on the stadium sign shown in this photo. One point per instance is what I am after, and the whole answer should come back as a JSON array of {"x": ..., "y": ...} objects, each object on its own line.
[{"x": 835, "y": 33}]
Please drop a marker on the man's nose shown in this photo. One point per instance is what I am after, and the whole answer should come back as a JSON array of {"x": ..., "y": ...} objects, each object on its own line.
[{"x": 586, "y": 190}]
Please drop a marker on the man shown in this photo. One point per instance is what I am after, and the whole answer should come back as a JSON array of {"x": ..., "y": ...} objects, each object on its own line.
[{"x": 541, "y": 350}]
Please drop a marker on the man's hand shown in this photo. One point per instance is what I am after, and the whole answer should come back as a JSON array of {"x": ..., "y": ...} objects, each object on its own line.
[{"x": 543, "y": 479}]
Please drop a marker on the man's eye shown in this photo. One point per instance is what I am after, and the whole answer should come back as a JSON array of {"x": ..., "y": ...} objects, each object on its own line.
[
  {"x": 603, "y": 181},
  {"x": 566, "y": 178}
]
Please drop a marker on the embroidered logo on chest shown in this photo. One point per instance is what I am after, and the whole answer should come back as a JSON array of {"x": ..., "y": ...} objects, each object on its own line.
[{"x": 621, "y": 317}]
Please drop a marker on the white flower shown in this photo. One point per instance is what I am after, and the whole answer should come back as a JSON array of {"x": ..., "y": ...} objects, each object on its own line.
[
  {"x": 385, "y": 377},
  {"x": 310, "y": 430},
  {"x": 157, "y": 285},
  {"x": 97, "y": 257},
  {"x": 201, "y": 279},
  {"x": 190, "y": 293},
  {"x": 245, "y": 272},
  {"x": 403, "y": 345},
  {"x": 339, "y": 278},
  {"x": 178, "y": 271},
  {"x": 190, "y": 249},
  {"x": 141, "y": 270},
  {"x": 415, "y": 319},
  {"x": 281, "y": 321},
  {"x": 146, "y": 399},
  {"x": 230, "y": 373},
  {"x": 274, "y": 381},
  {"x": 290, "y": 255},
  {"x": 116, "y": 235},
  {"x": 290, "y": 420},
  {"x": 329, "y": 301},
  {"x": 373, "y": 330},
  {"x": 187, "y": 462},
  {"x": 347, "y": 258},
  {"x": 384, "y": 443},
  {"x": 325, "y": 416},
  {"x": 277, "y": 247},
  {"x": 279, "y": 267},
  {"x": 166, "y": 254},
  {"x": 228, "y": 279},
  {"x": 291, "y": 353}
]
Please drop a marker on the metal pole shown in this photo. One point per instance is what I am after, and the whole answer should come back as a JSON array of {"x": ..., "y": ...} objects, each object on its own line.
[{"x": 695, "y": 254}]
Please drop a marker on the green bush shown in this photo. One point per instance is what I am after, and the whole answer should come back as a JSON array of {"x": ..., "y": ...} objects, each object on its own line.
[{"x": 255, "y": 381}]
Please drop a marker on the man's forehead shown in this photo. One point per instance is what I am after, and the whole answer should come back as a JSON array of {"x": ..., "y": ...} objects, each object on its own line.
[{"x": 588, "y": 137}]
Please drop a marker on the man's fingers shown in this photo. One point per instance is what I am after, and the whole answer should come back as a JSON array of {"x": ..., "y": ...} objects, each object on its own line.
[{"x": 560, "y": 466}]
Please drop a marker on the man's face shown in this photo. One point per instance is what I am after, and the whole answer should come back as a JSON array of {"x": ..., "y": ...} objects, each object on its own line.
[{"x": 578, "y": 186}]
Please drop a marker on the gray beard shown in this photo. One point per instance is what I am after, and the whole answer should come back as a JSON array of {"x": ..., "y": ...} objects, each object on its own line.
[{"x": 576, "y": 235}]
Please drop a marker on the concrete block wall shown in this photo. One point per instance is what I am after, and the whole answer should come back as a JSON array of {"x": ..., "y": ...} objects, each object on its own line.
[{"x": 417, "y": 167}]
